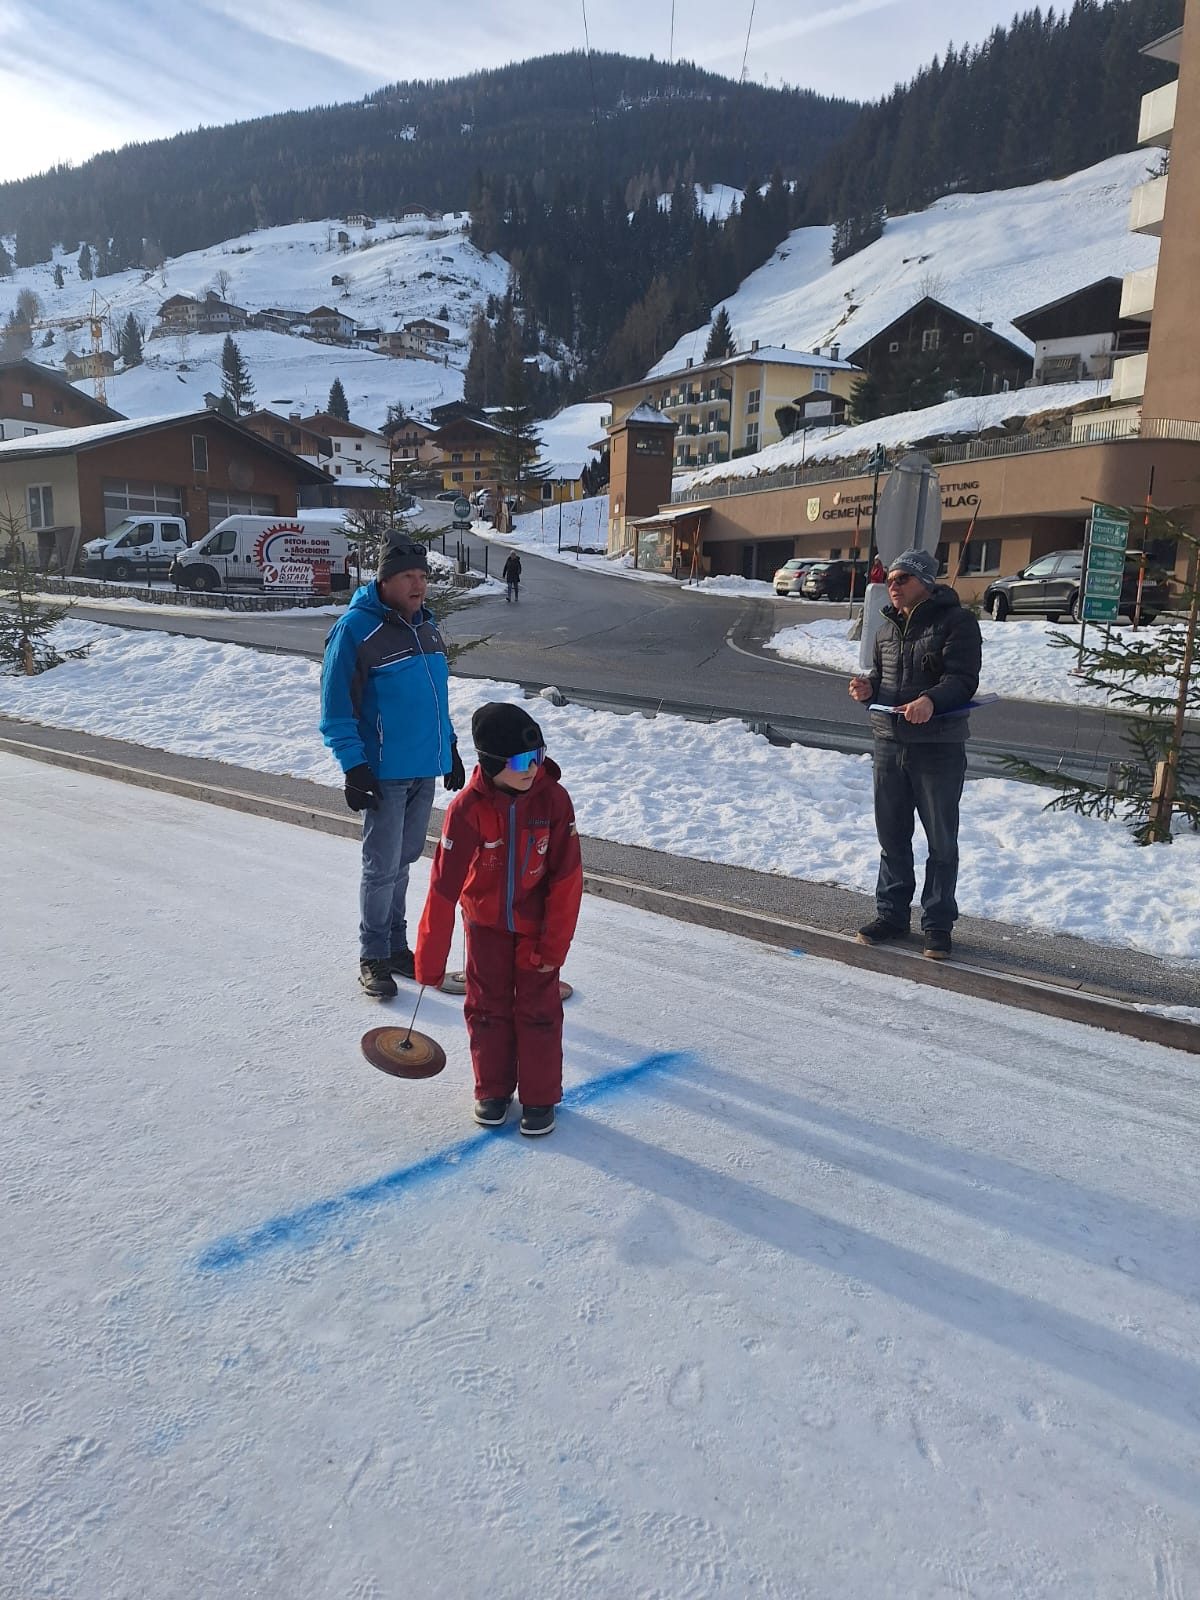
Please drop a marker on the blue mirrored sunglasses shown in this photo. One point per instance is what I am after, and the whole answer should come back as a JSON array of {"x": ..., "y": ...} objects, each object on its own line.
[{"x": 527, "y": 759}]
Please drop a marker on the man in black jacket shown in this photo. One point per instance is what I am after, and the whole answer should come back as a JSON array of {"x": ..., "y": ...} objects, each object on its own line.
[{"x": 926, "y": 666}]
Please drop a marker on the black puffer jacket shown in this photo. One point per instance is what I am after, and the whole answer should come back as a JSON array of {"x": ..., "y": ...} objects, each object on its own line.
[{"x": 935, "y": 651}]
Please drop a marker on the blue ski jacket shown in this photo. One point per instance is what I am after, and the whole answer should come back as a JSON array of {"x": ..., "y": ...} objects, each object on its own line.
[{"x": 385, "y": 691}]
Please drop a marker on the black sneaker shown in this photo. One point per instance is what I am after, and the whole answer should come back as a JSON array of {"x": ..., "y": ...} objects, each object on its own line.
[
  {"x": 937, "y": 944},
  {"x": 536, "y": 1120},
  {"x": 402, "y": 962},
  {"x": 376, "y": 979},
  {"x": 492, "y": 1113},
  {"x": 878, "y": 931}
]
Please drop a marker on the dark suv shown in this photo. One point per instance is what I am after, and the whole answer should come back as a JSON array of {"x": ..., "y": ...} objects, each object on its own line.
[
  {"x": 835, "y": 580},
  {"x": 1049, "y": 587}
]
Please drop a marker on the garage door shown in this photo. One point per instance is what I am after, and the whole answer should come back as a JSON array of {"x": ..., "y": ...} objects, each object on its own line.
[{"x": 124, "y": 497}]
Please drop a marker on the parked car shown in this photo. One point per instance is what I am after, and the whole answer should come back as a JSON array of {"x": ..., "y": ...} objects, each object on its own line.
[
  {"x": 835, "y": 580},
  {"x": 790, "y": 575},
  {"x": 1049, "y": 587},
  {"x": 135, "y": 547},
  {"x": 449, "y": 494}
]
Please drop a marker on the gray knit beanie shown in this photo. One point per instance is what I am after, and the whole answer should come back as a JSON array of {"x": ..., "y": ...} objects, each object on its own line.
[{"x": 919, "y": 563}]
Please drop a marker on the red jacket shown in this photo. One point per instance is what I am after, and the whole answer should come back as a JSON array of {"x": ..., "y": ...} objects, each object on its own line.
[{"x": 513, "y": 860}]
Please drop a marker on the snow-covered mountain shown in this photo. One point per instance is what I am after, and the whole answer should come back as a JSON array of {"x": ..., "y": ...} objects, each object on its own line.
[
  {"x": 989, "y": 256},
  {"x": 391, "y": 274}
]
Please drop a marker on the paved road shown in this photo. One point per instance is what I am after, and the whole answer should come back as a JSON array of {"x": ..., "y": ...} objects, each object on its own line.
[{"x": 599, "y": 635}]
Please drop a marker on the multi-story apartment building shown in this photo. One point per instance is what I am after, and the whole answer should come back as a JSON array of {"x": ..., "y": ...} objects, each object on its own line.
[
  {"x": 1147, "y": 214},
  {"x": 726, "y": 408}
]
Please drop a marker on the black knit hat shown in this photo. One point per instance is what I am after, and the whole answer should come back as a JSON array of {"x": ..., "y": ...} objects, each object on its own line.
[
  {"x": 401, "y": 555},
  {"x": 501, "y": 729}
]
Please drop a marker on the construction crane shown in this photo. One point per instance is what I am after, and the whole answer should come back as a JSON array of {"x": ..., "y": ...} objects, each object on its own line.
[{"x": 95, "y": 317}]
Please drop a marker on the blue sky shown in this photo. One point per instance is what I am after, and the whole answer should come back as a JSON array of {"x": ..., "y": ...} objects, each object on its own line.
[{"x": 78, "y": 76}]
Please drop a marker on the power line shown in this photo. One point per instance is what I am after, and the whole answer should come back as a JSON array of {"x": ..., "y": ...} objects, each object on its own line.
[
  {"x": 591, "y": 75},
  {"x": 746, "y": 51}
]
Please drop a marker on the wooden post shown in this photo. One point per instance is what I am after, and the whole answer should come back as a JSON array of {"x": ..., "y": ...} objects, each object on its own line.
[{"x": 1166, "y": 773}]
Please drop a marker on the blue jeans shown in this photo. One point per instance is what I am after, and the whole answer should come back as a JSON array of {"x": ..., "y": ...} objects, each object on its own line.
[
  {"x": 925, "y": 779},
  {"x": 393, "y": 838}
]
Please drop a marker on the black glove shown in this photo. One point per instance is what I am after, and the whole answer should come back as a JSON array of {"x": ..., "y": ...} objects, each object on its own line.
[
  {"x": 457, "y": 775},
  {"x": 363, "y": 789}
]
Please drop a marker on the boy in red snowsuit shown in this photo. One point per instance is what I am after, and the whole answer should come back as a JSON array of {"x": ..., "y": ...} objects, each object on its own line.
[{"x": 509, "y": 851}]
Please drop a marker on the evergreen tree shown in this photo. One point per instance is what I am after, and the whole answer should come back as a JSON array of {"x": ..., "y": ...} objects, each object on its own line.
[
  {"x": 129, "y": 345},
  {"x": 337, "y": 405},
  {"x": 85, "y": 263},
  {"x": 1153, "y": 678},
  {"x": 517, "y": 450},
  {"x": 58, "y": 276},
  {"x": 25, "y": 621},
  {"x": 235, "y": 380},
  {"x": 5, "y": 262},
  {"x": 720, "y": 338}
]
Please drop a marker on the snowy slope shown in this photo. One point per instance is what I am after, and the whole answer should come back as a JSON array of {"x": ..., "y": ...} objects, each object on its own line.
[
  {"x": 825, "y": 1285},
  {"x": 989, "y": 256},
  {"x": 412, "y": 269}
]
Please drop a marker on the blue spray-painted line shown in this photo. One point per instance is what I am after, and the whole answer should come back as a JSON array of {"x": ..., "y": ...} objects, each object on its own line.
[{"x": 306, "y": 1226}]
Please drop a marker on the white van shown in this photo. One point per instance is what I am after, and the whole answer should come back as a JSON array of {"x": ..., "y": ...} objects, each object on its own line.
[
  {"x": 309, "y": 552},
  {"x": 136, "y": 548}
]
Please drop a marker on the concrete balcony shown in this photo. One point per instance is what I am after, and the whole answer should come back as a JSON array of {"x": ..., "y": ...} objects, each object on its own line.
[
  {"x": 1147, "y": 206},
  {"x": 1158, "y": 116},
  {"x": 1137, "y": 294},
  {"x": 1129, "y": 379}
]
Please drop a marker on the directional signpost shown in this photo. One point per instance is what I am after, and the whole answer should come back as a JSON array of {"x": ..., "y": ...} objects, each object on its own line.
[{"x": 1108, "y": 537}]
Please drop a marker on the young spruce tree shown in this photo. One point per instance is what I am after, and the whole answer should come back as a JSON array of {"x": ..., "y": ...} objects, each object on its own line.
[
  {"x": 235, "y": 380},
  {"x": 1152, "y": 676},
  {"x": 25, "y": 621},
  {"x": 337, "y": 405}
]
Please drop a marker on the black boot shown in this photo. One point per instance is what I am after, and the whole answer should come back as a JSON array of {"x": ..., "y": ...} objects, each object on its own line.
[
  {"x": 879, "y": 932},
  {"x": 492, "y": 1113},
  {"x": 401, "y": 962},
  {"x": 376, "y": 979},
  {"x": 536, "y": 1120}
]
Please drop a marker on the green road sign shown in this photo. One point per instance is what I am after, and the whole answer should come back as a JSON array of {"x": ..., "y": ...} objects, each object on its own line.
[
  {"x": 1103, "y": 583},
  {"x": 1108, "y": 531},
  {"x": 1102, "y": 560},
  {"x": 1100, "y": 608}
]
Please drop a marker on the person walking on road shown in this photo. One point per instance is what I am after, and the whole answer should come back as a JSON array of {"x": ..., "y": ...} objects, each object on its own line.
[
  {"x": 385, "y": 715},
  {"x": 512, "y": 577},
  {"x": 510, "y": 853},
  {"x": 925, "y": 670}
]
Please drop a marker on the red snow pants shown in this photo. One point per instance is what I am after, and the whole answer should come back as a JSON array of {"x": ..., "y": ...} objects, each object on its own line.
[{"x": 514, "y": 1019}]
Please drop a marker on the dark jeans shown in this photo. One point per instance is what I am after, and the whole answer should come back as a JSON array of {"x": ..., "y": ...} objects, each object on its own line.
[
  {"x": 513, "y": 591},
  {"x": 393, "y": 838},
  {"x": 926, "y": 779}
]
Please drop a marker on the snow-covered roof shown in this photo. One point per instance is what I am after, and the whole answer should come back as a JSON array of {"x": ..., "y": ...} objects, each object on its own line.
[
  {"x": 956, "y": 418},
  {"x": 61, "y": 441},
  {"x": 66, "y": 441},
  {"x": 648, "y": 413}
]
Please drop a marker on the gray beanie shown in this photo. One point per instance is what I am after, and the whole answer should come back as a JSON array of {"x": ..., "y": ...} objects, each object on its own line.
[
  {"x": 920, "y": 563},
  {"x": 402, "y": 555}
]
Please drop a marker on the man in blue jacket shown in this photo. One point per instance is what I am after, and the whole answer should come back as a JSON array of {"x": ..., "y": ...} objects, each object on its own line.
[{"x": 385, "y": 714}]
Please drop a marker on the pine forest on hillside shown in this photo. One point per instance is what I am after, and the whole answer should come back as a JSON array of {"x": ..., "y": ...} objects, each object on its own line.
[
  {"x": 1056, "y": 91},
  {"x": 606, "y": 119}
]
